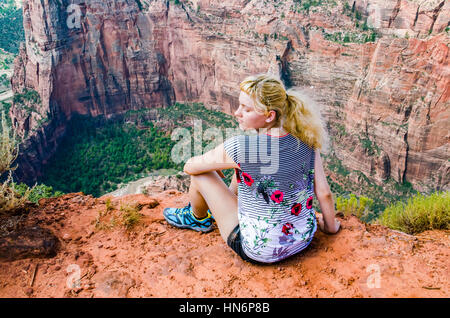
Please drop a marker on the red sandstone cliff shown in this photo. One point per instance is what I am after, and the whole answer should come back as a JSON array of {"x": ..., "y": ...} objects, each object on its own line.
[{"x": 140, "y": 54}]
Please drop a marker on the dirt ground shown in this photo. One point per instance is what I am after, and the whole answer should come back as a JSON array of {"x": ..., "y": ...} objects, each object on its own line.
[{"x": 157, "y": 260}]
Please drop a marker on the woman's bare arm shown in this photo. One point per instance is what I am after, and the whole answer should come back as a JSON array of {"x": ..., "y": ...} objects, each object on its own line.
[
  {"x": 214, "y": 160},
  {"x": 327, "y": 221},
  {"x": 233, "y": 185}
]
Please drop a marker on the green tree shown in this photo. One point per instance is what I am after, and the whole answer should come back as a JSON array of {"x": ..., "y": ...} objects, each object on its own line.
[{"x": 11, "y": 24}]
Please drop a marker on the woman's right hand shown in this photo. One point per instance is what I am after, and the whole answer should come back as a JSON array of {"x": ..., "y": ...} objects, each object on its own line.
[{"x": 329, "y": 228}]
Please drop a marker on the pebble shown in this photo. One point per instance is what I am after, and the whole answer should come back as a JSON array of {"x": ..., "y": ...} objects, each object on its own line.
[
  {"x": 29, "y": 291},
  {"x": 77, "y": 290}
]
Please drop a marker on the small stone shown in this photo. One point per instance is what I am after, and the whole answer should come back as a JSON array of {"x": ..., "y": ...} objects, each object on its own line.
[
  {"x": 29, "y": 291},
  {"x": 77, "y": 290},
  {"x": 57, "y": 268}
]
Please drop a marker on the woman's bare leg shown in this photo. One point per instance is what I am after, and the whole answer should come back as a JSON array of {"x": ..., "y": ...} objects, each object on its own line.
[
  {"x": 209, "y": 190},
  {"x": 199, "y": 205}
]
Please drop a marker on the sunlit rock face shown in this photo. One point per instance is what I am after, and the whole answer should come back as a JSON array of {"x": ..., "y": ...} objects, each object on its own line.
[{"x": 388, "y": 95}]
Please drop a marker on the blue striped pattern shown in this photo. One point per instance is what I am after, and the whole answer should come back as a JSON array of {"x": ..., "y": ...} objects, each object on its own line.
[{"x": 275, "y": 206}]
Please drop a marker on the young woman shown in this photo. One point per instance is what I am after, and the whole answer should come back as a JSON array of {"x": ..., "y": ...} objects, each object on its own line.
[{"x": 266, "y": 214}]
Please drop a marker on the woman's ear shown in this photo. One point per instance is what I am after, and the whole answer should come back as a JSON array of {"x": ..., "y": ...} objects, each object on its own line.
[{"x": 271, "y": 117}]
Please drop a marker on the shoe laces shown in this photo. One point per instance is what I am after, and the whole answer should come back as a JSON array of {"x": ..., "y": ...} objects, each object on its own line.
[{"x": 186, "y": 209}]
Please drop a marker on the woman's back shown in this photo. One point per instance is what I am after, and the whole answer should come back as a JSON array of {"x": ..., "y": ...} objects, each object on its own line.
[{"x": 275, "y": 194}]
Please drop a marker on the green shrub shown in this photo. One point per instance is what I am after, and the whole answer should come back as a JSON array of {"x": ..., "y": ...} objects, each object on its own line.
[
  {"x": 37, "y": 192},
  {"x": 131, "y": 216},
  {"x": 29, "y": 95},
  {"x": 360, "y": 207},
  {"x": 4, "y": 80},
  {"x": 10, "y": 200},
  {"x": 139, "y": 4},
  {"x": 4, "y": 108},
  {"x": 419, "y": 214}
]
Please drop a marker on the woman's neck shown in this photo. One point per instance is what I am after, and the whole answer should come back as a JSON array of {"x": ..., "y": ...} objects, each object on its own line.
[{"x": 274, "y": 131}]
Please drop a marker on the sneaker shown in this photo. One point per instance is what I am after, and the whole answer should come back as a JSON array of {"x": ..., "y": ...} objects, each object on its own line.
[{"x": 184, "y": 218}]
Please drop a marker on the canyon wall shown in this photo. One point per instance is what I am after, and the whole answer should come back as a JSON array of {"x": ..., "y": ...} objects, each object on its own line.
[{"x": 385, "y": 98}]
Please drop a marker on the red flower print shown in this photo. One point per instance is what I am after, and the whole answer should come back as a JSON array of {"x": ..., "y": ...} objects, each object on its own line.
[
  {"x": 309, "y": 202},
  {"x": 296, "y": 208},
  {"x": 277, "y": 196},
  {"x": 247, "y": 179},
  {"x": 287, "y": 228}
]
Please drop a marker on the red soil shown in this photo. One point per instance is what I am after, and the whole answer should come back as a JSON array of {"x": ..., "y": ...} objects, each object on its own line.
[{"x": 158, "y": 260}]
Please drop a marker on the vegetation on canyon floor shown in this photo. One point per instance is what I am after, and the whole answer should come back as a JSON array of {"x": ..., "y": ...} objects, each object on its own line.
[
  {"x": 94, "y": 159},
  {"x": 97, "y": 155}
]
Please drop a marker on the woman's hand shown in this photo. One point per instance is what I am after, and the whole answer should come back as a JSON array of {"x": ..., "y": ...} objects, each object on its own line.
[{"x": 328, "y": 228}]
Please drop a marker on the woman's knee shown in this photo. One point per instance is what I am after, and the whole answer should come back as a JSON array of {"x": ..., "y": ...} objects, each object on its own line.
[{"x": 195, "y": 179}]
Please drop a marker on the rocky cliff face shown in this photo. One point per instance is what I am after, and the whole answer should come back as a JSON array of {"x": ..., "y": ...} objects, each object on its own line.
[{"x": 388, "y": 97}]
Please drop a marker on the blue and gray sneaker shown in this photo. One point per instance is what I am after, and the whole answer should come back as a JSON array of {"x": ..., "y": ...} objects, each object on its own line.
[{"x": 184, "y": 218}]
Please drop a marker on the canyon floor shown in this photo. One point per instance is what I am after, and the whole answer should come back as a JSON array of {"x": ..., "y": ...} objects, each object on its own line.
[{"x": 155, "y": 259}]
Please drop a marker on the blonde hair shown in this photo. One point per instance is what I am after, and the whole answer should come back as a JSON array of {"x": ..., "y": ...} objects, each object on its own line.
[{"x": 299, "y": 118}]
